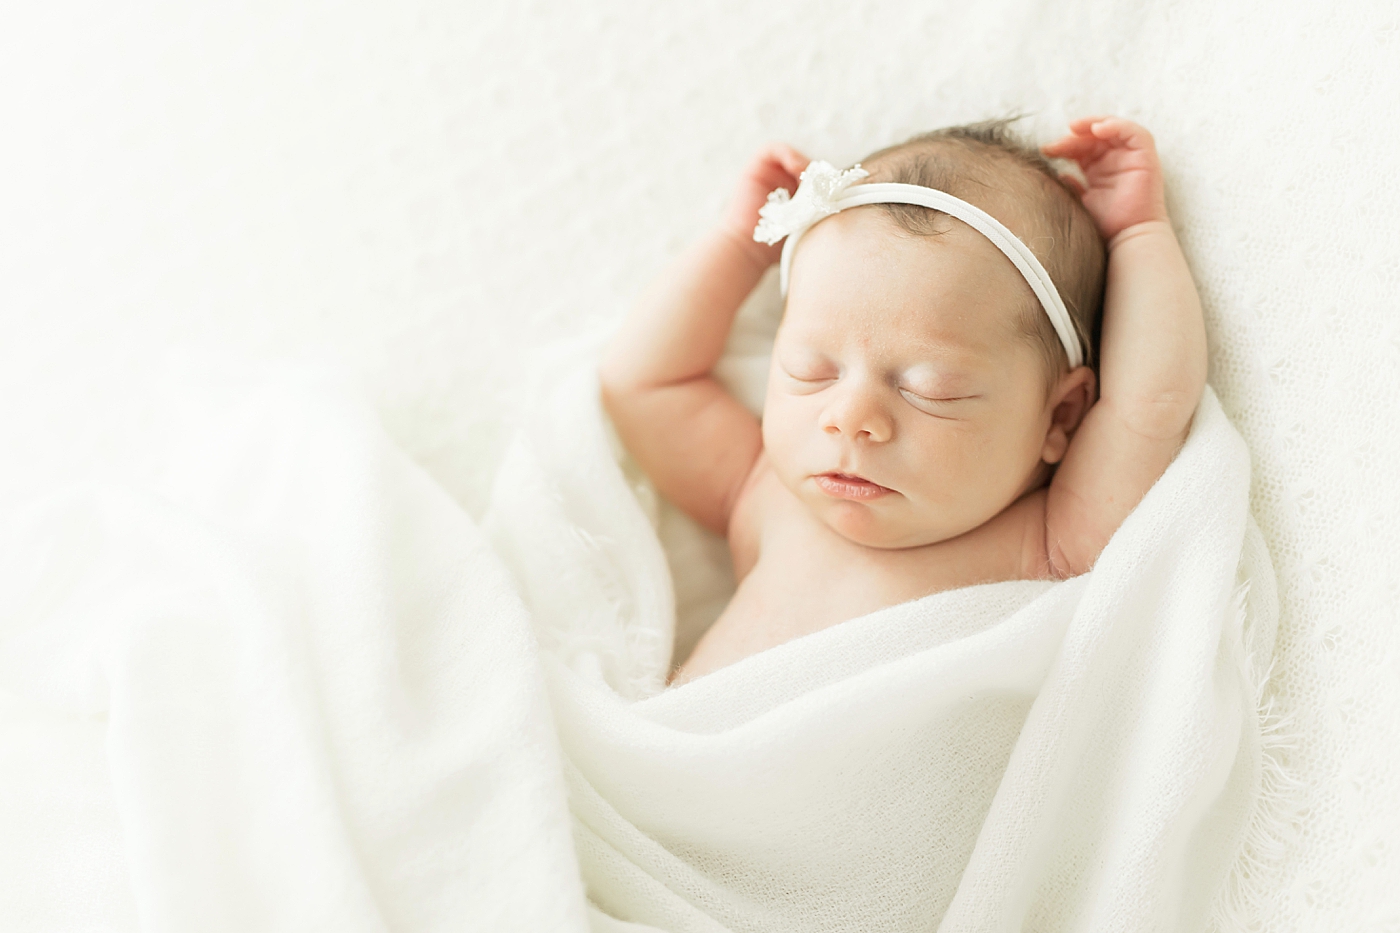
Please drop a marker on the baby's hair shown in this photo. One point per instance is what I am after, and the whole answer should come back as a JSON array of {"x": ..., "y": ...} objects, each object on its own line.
[{"x": 970, "y": 159}]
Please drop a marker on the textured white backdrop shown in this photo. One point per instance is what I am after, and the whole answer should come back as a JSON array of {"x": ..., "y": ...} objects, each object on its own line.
[{"x": 427, "y": 189}]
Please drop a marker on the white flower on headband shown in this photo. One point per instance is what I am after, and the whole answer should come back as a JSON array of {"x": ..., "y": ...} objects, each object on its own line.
[{"x": 815, "y": 199}]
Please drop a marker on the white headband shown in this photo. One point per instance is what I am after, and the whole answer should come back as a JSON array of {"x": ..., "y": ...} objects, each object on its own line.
[{"x": 822, "y": 191}]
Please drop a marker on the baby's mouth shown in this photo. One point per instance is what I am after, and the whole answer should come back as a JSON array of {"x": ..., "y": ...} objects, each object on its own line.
[{"x": 849, "y": 486}]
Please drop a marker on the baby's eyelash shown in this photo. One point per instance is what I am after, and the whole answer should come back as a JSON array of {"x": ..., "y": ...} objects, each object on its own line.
[
  {"x": 792, "y": 375},
  {"x": 917, "y": 400},
  {"x": 912, "y": 396},
  {"x": 935, "y": 398}
]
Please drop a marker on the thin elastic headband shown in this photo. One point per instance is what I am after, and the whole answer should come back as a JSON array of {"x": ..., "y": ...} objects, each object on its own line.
[{"x": 824, "y": 190}]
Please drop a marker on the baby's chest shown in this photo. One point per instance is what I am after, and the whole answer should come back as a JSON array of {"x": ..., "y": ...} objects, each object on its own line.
[
  {"x": 807, "y": 578},
  {"x": 797, "y": 576}
]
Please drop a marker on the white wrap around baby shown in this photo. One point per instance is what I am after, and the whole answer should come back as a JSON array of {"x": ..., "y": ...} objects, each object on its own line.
[
  {"x": 296, "y": 689},
  {"x": 1028, "y": 755}
]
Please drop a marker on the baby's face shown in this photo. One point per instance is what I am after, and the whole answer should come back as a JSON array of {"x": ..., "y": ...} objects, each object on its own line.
[{"x": 899, "y": 363}]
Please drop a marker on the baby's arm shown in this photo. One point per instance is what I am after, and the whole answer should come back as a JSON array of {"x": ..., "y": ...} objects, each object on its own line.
[
  {"x": 1152, "y": 365},
  {"x": 695, "y": 441}
]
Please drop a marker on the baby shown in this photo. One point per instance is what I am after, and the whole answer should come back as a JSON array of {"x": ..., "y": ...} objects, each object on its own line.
[{"x": 927, "y": 425}]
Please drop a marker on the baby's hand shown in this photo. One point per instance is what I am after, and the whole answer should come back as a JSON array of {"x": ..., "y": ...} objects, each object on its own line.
[
  {"x": 1119, "y": 160},
  {"x": 776, "y": 165}
]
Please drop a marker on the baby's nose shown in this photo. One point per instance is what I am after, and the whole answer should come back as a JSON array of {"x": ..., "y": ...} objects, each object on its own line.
[{"x": 858, "y": 415}]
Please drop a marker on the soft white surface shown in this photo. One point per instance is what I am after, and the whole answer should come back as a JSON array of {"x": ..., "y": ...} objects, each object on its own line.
[
  {"x": 317, "y": 692},
  {"x": 427, "y": 189}
]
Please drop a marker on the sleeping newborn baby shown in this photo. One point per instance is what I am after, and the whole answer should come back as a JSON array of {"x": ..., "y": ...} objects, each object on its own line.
[{"x": 933, "y": 415}]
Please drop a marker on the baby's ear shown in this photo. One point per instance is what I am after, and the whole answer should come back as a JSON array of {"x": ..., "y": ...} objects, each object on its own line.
[{"x": 1071, "y": 399}]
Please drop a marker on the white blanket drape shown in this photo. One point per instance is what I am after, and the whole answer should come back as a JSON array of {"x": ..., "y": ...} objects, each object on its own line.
[
  {"x": 325, "y": 705},
  {"x": 1026, "y": 755}
]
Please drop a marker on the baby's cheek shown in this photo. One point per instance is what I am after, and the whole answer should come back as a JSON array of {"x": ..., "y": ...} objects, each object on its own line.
[
  {"x": 774, "y": 427},
  {"x": 960, "y": 462},
  {"x": 782, "y": 437},
  {"x": 996, "y": 462}
]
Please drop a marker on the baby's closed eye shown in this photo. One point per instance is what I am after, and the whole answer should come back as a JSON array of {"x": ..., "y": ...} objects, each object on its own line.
[
  {"x": 933, "y": 404},
  {"x": 808, "y": 369}
]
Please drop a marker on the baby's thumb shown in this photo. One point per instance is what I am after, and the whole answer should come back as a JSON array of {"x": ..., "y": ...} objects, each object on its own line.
[{"x": 792, "y": 161}]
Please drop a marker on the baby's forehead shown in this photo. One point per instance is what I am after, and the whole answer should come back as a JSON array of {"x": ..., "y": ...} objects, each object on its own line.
[
  {"x": 858, "y": 268},
  {"x": 920, "y": 334},
  {"x": 898, "y": 337}
]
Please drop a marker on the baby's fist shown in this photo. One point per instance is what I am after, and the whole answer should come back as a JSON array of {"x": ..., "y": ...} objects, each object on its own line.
[
  {"x": 1119, "y": 161},
  {"x": 776, "y": 165}
]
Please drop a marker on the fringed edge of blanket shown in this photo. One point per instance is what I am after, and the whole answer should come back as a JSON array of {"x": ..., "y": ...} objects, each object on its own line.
[{"x": 1252, "y": 882}]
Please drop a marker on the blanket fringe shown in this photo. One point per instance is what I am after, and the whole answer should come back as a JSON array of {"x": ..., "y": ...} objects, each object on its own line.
[{"x": 1252, "y": 883}]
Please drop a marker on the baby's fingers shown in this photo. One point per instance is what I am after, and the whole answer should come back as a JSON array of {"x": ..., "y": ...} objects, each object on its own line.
[
  {"x": 782, "y": 157},
  {"x": 1120, "y": 132},
  {"x": 1072, "y": 147},
  {"x": 791, "y": 160},
  {"x": 1081, "y": 126}
]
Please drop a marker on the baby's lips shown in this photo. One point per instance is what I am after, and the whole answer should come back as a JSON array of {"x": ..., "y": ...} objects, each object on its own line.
[
  {"x": 853, "y": 478},
  {"x": 849, "y": 486}
]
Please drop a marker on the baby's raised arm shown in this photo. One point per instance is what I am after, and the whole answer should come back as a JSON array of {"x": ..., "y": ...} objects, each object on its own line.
[
  {"x": 1152, "y": 362},
  {"x": 695, "y": 441}
]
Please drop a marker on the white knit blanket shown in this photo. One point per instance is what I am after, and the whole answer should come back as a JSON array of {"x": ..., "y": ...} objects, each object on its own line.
[{"x": 325, "y": 705}]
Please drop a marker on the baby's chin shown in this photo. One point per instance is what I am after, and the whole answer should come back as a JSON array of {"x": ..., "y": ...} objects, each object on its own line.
[{"x": 868, "y": 525}]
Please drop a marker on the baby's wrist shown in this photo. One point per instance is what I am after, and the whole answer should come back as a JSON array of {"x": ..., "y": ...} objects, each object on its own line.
[
  {"x": 760, "y": 254},
  {"x": 1155, "y": 227}
]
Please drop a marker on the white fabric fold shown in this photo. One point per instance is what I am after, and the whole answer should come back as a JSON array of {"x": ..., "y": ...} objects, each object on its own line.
[
  {"x": 1082, "y": 755},
  {"x": 318, "y": 696},
  {"x": 317, "y": 691}
]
